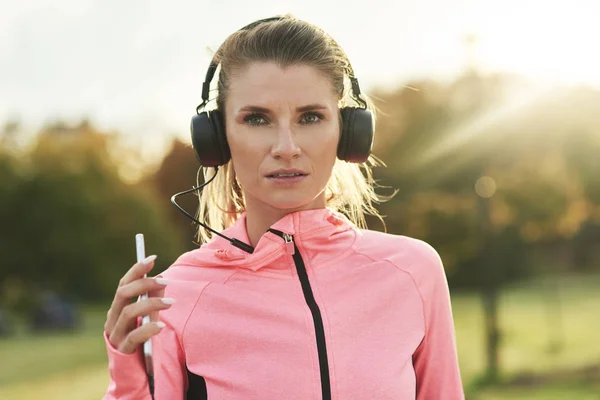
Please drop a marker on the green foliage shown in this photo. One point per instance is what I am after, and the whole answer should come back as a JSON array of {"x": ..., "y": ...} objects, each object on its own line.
[
  {"x": 69, "y": 219},
  {"x": 178, "y": 172},
  {"x": 540, "y": 148}
]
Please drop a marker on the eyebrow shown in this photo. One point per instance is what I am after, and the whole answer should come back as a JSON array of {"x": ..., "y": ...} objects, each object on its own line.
[{"x": 310, "y": 107}]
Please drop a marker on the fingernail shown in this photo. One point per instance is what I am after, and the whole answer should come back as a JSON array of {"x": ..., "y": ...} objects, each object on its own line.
[
  {"x": 148, "y": 259},
  {"x": 160, "y": 324},
  {"x": 162, "y": 281},
  {"x": 167, "y": 300}
]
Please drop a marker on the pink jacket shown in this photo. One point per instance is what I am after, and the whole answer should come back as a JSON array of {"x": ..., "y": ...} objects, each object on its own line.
[{"x": 320, "y": 310}]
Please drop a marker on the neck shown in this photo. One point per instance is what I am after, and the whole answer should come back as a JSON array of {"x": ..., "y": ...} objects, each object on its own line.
[
  {"x": 260, "y": 217},
  {"x": 257, "y": 224}
]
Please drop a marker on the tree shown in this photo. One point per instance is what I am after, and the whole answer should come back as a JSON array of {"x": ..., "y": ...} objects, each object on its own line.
[
  {"x": 69, "y": 219},
  {"x": 178, "y": 172}
]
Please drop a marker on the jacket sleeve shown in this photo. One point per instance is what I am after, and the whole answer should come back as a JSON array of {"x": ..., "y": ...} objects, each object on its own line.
[
  {"x": 435, "y": 360},
  {"x": 128, "y": 379}
]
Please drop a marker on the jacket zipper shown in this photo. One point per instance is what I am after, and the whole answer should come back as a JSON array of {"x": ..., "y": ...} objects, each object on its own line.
[{"x": 314, "y": 309}]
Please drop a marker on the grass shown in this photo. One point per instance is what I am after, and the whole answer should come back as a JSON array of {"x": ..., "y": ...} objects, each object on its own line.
[
  {"x": 81, "y": 383},
  {"x": 73, "y": 366},
  {"x": 549, "y": 392},
  {"x": 536, "y": 340},
  {"x": 28, "y": 358}
]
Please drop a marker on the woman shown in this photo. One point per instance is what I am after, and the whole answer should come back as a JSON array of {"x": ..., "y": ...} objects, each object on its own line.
[{"x": 316, "y": 308}]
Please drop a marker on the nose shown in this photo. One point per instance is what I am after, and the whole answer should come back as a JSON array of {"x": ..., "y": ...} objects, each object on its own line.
[{"x": 285, "y": 147}]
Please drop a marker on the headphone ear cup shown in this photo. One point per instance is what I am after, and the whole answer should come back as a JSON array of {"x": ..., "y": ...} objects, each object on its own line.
[
  {"x": 356, "y": 140},
  {"x": 209, "y": 140}
]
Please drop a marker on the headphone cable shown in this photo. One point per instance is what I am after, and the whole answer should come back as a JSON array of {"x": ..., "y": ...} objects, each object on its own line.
[{"x": 233, "y": 241}]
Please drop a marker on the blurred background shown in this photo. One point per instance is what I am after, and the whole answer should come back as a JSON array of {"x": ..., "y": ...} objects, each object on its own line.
[{"x": 489, "y": 124}]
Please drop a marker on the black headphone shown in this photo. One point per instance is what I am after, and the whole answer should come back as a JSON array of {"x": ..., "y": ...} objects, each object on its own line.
[{"x": 208, "y": 127}]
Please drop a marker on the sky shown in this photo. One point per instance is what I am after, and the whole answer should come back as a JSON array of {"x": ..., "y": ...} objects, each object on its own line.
[{"x": 137, "y": 66}]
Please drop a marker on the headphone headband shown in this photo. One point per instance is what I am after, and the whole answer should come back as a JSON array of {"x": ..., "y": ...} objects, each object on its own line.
[{"x": 214, "y": 64}]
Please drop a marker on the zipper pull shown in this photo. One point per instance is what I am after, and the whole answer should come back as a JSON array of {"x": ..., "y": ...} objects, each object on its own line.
[
  {"x": 289, "y": 243},
  {"x": 287, "y": 238}
]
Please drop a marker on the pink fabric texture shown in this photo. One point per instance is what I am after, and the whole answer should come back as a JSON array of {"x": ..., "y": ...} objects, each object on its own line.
[{"x": 242, "y": 323}]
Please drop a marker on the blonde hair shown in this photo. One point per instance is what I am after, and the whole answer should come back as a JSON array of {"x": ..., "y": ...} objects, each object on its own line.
[{"x": 286, "y": 42}]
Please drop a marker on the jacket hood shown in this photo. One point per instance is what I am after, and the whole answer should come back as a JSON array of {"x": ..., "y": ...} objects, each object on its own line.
[{"x": 321, "y": 233}]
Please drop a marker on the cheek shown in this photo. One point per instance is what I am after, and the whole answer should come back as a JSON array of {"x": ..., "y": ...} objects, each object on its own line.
[
  {"x": 327, "y": 148},
  {"x": 245, "y": 159}
]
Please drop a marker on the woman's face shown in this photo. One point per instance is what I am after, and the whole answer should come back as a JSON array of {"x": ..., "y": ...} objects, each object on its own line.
[{"x": 283, "y": 131}]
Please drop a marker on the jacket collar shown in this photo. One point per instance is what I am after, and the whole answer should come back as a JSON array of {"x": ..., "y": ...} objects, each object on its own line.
[{"x": 320, "y": 234}]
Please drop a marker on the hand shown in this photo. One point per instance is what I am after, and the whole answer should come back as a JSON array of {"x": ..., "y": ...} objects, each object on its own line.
[{"x": 121, "y": 325}]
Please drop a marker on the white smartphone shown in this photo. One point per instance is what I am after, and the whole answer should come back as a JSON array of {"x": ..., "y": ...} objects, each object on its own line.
[{"x": 141, "y": 254}]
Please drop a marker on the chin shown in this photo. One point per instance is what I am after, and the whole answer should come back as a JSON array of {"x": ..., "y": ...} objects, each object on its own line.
[
  {"x": 290, "y": 206},
  {"x": 291, "y": 203}
]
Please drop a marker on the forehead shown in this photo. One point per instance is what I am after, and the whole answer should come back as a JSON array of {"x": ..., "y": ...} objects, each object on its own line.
[{"x": 266, "y": 83}]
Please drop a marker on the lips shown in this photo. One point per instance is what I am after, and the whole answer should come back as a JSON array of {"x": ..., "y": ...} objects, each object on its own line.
[{"x": 286, "y": 173}]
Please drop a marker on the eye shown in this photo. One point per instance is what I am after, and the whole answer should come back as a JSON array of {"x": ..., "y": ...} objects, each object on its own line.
[
  {"x": 311, "y": 118},
  {"x": 255, "y": 120}
]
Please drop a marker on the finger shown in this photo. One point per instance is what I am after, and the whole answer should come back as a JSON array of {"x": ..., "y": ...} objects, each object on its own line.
[
  {"x": 138, "y": 270},
  {"x": 136, "y": 337},
  {"x": 157, "y": 293},
  {"x": 159, "y": 289},
  {"x": 125, "y": 294},
  {"x": 127, "y": 320}
]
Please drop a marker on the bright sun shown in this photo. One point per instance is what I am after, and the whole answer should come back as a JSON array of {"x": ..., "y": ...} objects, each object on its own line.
[{"x": 554, "y": 44}]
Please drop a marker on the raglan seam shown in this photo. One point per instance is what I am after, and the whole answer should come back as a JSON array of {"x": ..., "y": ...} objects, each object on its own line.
[
  {"x": 183, "y": 329},
  {"x": 412, "y": 280}
]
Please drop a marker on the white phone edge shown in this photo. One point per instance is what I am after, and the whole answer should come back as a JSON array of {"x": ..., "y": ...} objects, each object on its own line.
[{"x": 140, "y": 248}]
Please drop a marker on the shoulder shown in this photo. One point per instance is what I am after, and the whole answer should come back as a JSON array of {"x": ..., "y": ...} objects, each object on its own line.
[
  {"x": 187, "y": 280},
  {"x": 412, "y": 256},
  {"x": 197, "y": 266}
]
